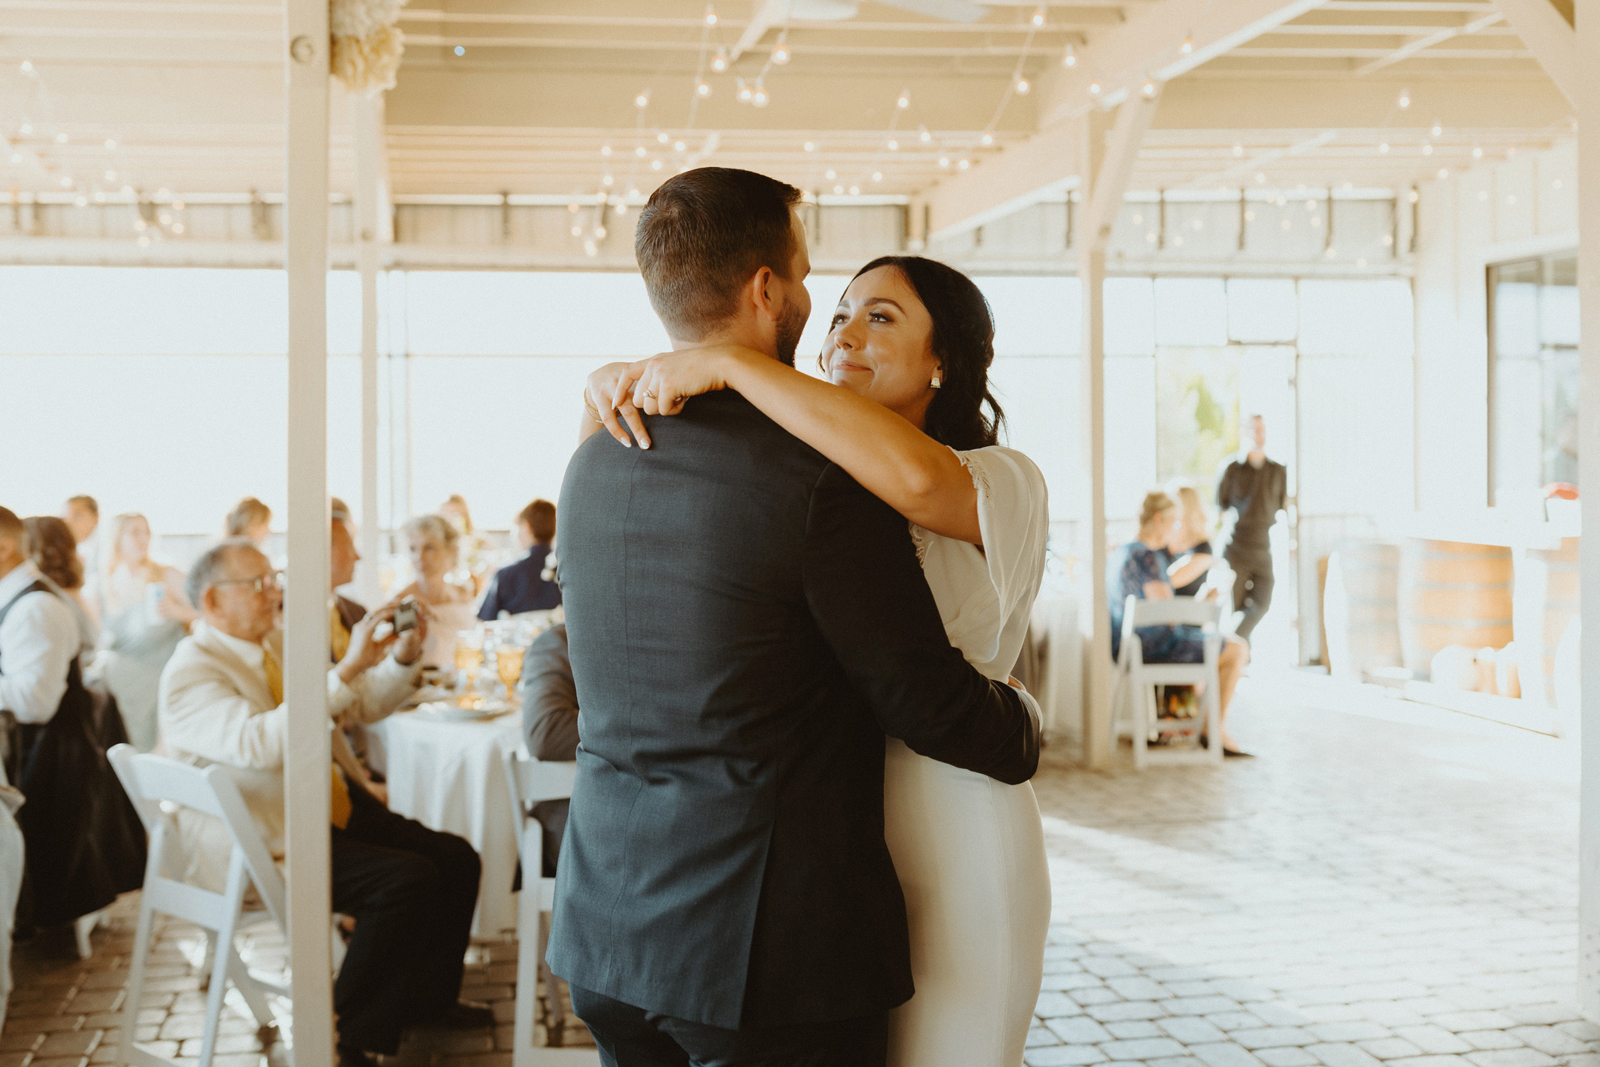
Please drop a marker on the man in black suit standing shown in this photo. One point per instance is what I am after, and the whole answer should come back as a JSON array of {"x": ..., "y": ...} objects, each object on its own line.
[{"x": 745, "y": 623}]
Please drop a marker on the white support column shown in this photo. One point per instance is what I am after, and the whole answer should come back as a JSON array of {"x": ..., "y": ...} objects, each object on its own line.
[
  {"x": 307, "y": 755},
  {"x": 1107, "y": 166},
  {"x": 1587, "y": 99},
  {"x": 366, "y": 120}
]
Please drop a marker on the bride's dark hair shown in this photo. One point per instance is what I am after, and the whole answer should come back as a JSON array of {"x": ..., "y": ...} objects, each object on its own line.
[{"x": 963, "y": 342}]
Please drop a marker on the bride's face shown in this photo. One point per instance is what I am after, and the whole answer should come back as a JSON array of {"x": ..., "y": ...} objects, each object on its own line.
[{"x": 880, "y": 344}]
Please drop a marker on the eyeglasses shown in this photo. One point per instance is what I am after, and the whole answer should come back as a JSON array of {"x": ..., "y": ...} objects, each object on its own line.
[{"x": 259, "y": 585}]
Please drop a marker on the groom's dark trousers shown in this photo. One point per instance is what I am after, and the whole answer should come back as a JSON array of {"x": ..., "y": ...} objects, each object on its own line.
[{"x": 746, "y": 623}]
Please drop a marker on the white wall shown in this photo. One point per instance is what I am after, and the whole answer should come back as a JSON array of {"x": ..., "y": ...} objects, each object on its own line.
[{"x": 1497, "y": 211}]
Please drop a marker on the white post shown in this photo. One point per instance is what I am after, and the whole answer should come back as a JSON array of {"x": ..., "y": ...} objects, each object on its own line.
[
  {"x": 1091, "y": 417},
  {"x": 366, "y": 115},
  {"x": 1587, "y": 99},
  {"x": 1107, "y": 166},
  {"x": 307, "y": 755}
]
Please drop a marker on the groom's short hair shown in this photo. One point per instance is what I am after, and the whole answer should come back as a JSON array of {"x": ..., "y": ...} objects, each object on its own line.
[{"x": 702, "y": 235}]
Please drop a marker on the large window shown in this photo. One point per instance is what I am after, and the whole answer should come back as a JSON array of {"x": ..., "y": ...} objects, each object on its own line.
[{"x": 1533, "y": 379}]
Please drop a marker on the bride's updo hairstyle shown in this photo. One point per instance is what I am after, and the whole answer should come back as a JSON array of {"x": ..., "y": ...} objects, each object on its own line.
[{"x": 963, "y": 342}]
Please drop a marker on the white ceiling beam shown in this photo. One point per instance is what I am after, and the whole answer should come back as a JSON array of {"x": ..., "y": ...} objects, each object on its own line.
[
  {"x": 1424, "y": 43},
  {"x": 1122, "y": 152},
  {"x": 771, "y": 13},
  {"x": 1150, "y": 46},
  {"x": 1549, "y": 37}
]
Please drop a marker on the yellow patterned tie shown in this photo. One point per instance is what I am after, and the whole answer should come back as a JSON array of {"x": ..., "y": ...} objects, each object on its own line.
[
  {"x": 340, "y": 806},
  {"x": 338, "y": 633}
]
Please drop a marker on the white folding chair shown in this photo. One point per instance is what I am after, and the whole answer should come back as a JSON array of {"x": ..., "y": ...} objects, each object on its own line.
[
  {"x": 532, "y": 781},
  {"x": 1138, "y": 681},
  {"x": 152, "y": 783}
]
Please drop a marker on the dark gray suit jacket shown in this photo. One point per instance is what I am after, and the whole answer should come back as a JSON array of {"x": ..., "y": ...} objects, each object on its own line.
[{"x": 745, "y": 624}]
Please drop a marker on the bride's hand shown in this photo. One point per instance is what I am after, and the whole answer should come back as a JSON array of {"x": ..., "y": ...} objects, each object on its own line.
[
  {"x": 661, "y": 384},
  {"x": 600, "y": 393}
]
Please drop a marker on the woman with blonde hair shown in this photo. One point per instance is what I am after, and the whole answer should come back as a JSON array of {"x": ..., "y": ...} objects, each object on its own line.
[
  {"x": 147, "y": 614},
  {"x": 1190, "y": 549},
  {"x": 471, "y": 548},
  {"x": 433, "y": 544},
  {"x": 251, "y": 519},
  {"x": 1138, "y": 569}
]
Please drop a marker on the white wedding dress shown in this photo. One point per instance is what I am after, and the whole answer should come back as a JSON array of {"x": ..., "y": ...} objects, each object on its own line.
[{"x": 969, "y": 850}]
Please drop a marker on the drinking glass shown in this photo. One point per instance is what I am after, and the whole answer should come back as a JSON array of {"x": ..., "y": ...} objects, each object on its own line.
[
  {"x": 508, "y": 662},
  {"x": 469, "y": 651}
]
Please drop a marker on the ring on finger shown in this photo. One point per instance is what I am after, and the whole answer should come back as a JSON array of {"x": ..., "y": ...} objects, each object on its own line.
[{"x": 649, "y": 394}]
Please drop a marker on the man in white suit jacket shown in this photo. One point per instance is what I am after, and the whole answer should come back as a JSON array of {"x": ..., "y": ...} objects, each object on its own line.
[{"x": 411, "y": 890}]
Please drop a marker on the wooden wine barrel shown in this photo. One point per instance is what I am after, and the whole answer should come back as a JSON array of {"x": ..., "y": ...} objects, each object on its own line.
[
  {"x": 1360, "y": 608},
  {"x": 1452, "y": 593},
  {"x": 1560, "y": 599}
]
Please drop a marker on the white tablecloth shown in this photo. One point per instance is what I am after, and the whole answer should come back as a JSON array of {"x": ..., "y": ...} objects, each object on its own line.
[{"x": 449, "y": 776}]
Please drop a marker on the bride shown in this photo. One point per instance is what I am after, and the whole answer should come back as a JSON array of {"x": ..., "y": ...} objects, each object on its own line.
[{"x": 910, "y": 343}]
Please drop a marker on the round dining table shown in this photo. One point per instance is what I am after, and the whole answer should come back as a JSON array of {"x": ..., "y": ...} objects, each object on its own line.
[{"x": 449, "y": 775}]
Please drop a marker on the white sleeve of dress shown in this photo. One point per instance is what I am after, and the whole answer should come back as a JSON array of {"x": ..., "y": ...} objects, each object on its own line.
[{"x": 1014, "y": 518}]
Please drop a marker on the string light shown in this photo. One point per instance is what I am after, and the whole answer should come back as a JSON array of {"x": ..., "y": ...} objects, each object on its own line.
[
  {"x": 810, "y": 146},
  {"x": 1038, "y": 17},
  {"x": 1405, "y": 99},
  {"x": 111, "y": 146},
  {"x": 1427, "y": 149},
  {"x": 1477, "y": 151},
  {"x": 987, "y": 139},
  {"x": 111, "y": 175},
  {"x": 607, "y": 181},
  {"x": 1021, "y": 86},
  {"x": 1444, "y": 172},
  {"x": 1188, "y": 44},
  {"x": 780, "y": 51},
  {"x": 904, "y": 100},
  {"x": 711, "y": 15},
  {"x": 1238, "y": 150},
  {"x": 923, "y": 135},
  {"x": 944, "y": 162},
  {"x": 1069, "y": 58},
  {"x": 679, "y": 146},
  {"x": 855, "y": 190},
  {"x": 719, "y": 62},
  {"x": 639, "y": 152},
  {"x": 760, "y": 98},
  {"x": 661, "y": 137},
  {"x": 877, "y": 175},
  {"x": 27, "y": 68},
  {"x": 894, "y": 146},
  {"x": 655, "y": 164},
  {"x": 831, "y": 174},
  {"x": 1148, "y": 89},
  {"x": 702, "y": 89},
  {"x": 1094, "y": 87},
  {"x": 1383, "y": 148},
  {"x": 61, "y": 138},
  {"x": 642, "y": 101},
  {"x": 26, "y": 129},
  {"x": 963, "y": 164},
  {"x": 605, "y": 150},
  {"x": 1438, "y": 128},
  {"x": 460, "y": 51},
  {"x": 745, "y": 93}
]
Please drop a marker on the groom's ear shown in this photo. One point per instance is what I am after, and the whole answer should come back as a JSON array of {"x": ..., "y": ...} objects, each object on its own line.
[{"x": 761, "y": 295}]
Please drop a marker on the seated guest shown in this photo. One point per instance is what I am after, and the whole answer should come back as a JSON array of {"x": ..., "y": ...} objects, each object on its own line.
[
  {"x": 1190, "y": 549},
  {"x": 250, "y": 519},
  {"x": 550, "y": 724},
  {"x": 433, "y": 542},
  {"x": 1137, "y": 569},
  {"x": 343, "y": 615},
  {"x": 411, "y": 890},
  {"x": 39, "y": 637},
  {"x": 55, "y": 553},
  {"x": 147, "y": 612},
  {"x": 522, "y": 586},
  {"x": 471, "y": 548}
]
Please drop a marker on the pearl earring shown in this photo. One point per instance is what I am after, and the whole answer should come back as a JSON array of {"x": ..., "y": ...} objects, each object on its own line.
[{"x": 935, "y": 383}]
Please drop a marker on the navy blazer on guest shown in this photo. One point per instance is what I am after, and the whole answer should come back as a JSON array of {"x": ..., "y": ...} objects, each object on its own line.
[{"x": 517, "y": 587}]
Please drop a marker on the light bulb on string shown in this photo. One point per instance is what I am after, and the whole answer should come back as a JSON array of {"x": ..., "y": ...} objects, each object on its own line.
[
  {"x": 1477, "y": 151},
  {"x": 1188, "y": 44},
  {"x": 810, "y": 146},
  {"x": 838, "y": 189},
  {"x": 1427, "y": 149},
  {"x": 1038, "y": 17},
  {"x": 27, "y": 68},
  {"x": 1148, "y": 89},
  {"x": 1094, "y": 87},
  {"x": 66, "y": 182},
  {"x": 1405, "y": 99},
  {"x": 719, "y": 62},
  {"x": 655, "y": 164},
  {"x": 590, "y": 248},
  {"x": 944, "y": 162},
  {"x": 639, "y": 152},
  {"x": 572, "y": 208},
  {"x": 711, "y": 15},
  {"x": 600, "y": 232},
  {"x": 877, "y": 175},
  {"x": 99, "y": 197},
  {"x": 855, "y": 190},
  {"x": 460, "y": 51},
  {"x": 661, "y": 137},
  {"x": 679, "y": 146},
  {"x": 1444, "y": 172},
  {"x": 702, "y": 89},
  {"x": 1383, "y": 149},
  {"x": 923, "y": 135},
  {"x": 1069, "y": 58},
  {"x": 963, "y": 164},
  {"x": 903, "y": 101},
  {"x": 893, "y": 145},
  {"x": 642, "y": 101},
  {"x": 607, "y": 181},
  {"x": 1238, "y": 150},
  {"x": 111, "y": 146},
  {"x": 780, "y": 51},
  {"x": 831, "y": 174},
  {"x": 61, "y": 138},
  {"x": 26, "y": 129},
  {"x": 745, "y": 92},
  {"x": 1021, "y": 86},
  {"x": 987, "y": 139},
  {"x": 111, "y": 175},
  {"x": 605, "y": 151},
  {"x": 759, "y": 98},
  {"x": 82, "y": 201},
  {"x": 1438, "y": 128},
  {"x": 177, "y": 205}
]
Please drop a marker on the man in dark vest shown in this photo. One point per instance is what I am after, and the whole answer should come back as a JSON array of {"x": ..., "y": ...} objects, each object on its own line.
[
  {"x": 745, "y": 624},
  {"x": 1255, "y": 489}
]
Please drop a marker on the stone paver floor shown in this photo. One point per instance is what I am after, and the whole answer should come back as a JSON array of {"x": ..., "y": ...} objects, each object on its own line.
[{"x": 1366, "y": 893}]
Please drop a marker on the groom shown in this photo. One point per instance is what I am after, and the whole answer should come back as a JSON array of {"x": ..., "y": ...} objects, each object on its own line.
[{"x": 746, "y": 623}]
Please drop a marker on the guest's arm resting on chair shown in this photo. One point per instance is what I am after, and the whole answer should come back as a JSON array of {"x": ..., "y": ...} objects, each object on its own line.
[{"x": 873, "y": 605}]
